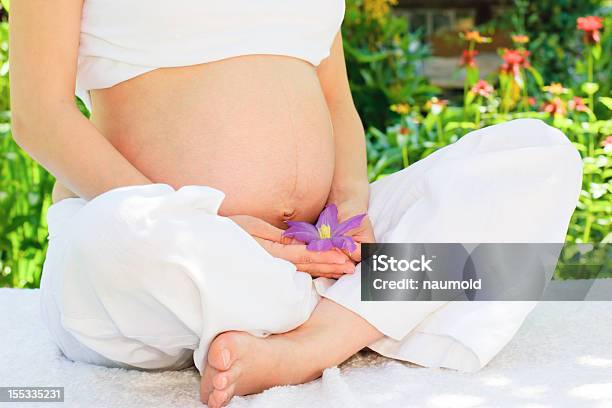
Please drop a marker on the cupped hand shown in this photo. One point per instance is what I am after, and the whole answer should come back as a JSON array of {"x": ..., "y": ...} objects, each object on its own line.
[{"x": 328, "y": 264}]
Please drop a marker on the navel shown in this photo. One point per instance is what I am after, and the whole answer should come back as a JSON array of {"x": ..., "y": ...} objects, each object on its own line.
[{"x": 289, "y": 213}]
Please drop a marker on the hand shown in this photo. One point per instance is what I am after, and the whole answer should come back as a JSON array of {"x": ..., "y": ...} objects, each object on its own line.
[
  {"x": 362, "y": 234},
  {"x": 328, "y": 264}
]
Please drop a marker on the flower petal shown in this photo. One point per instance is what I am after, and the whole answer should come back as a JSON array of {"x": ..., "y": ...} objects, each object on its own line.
[
  {"x": 329, "y": 216},
  {"x": 302, "y": 231},
  {"x": 320, "y": 245},
  {"x": 348, "y": 225},
  {"x": 344, "y": 242}
]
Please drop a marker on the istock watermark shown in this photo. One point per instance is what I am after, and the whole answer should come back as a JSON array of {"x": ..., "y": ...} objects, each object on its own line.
[
  {"x": 383, "y": 263},
  {"x": 483, "y": 272}
]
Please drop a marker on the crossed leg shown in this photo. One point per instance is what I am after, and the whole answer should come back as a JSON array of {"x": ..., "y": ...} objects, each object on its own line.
[
  {"x": 513, "y": 182},
  {"x": 240, "y": 364}
]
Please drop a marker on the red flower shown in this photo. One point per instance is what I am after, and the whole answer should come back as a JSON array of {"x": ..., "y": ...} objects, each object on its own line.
[
  {"x": 531, "y": 101},
  {"x": 404, "y": 131},
  {"x": 591, "y": 26},
  {"x": 482, "y": 88},
  {"x": 556, "y": 106},
  {"x": 468, "y": 59},
  {"x": 514, "y": 60},
  {"x": 607, "y": 142},
  {"x": 589, "y": 23},
  {"x": 577, "y": 104}
]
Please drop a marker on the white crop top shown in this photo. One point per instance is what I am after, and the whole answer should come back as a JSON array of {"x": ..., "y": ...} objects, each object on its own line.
[{"x": 121, "y": 39}]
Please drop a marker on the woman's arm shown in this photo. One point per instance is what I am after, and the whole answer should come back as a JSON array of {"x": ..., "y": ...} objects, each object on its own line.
[
  {"x": 350, "y": 188},
  {"x": 44, "y": 40}
]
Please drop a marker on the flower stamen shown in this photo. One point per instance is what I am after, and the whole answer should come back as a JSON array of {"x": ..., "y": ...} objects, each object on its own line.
[{"x": 325, "y": 231}]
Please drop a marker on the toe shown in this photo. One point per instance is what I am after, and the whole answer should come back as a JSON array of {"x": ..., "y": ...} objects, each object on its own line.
[
  {"x": 221, "y": 381},
  {"x": 218, "y": 399},
  {"x": 220, "y": 354},
  {"x": 206, "y": 383},
  {"x": 230, "y": 391},
  {"x": 224, "y": 379}
]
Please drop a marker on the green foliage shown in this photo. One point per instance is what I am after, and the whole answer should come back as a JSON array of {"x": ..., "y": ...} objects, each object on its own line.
[
  {"x": 551, "y": 25},
  {"x": 419, "y": 133},
  {"x": 384, "y": 62},
  {"x": 581, "y": 111},
  {"x": 585, "y": 261},
  {"x": 602, "y": 62}
]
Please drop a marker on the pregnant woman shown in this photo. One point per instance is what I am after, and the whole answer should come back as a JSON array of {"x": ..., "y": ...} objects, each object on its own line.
[{"x": 212, "y": 124}]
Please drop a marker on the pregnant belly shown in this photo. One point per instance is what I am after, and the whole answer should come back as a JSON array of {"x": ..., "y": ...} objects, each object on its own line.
[{"x": 255, "y": 127}]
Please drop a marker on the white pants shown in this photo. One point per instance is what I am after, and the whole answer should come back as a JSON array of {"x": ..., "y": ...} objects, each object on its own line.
[{"x": 147, "y": 276}]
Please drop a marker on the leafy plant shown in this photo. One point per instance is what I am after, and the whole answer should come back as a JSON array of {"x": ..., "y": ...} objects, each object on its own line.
[
  {"x": 583, "y": 116},
  {"x": 551, "y": 26},
  {"x": 384, "y": 60}
]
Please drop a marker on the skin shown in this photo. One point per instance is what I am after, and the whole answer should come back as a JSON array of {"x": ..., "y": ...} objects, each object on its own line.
[{"x": 292, "y": 127}]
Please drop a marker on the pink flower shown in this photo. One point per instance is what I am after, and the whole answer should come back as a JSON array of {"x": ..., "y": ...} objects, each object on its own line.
[
  {"x": 577, "y": 104},
  {"x": 591, "y": 26},
  {"x": 555, "y": 106},
  {"x": 482, "y": 88}
]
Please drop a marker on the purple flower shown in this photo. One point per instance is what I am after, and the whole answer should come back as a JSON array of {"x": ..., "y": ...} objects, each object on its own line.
[{"x": 327, "y": 233}]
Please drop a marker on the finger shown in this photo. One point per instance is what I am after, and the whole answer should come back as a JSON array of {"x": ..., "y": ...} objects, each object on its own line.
[
  {"x": 359, "y": 239},
  {"x": 316, "y": 274},
  {"x": 327, "y": 269},
  {"x": 298, "y": 254},
  {"x": 333, "y": 271},
  {"x": 356, "y": 254}
]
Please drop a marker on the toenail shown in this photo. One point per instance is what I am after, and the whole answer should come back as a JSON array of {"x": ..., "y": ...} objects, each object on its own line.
[
  {"x": 223, "y": 382},
  {"x": 225, "y": 355}
]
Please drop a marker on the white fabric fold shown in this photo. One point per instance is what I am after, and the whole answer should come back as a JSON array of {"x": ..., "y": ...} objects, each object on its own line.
[
  {"x": 147, "y": 276},
  {"x": 123, "y": 39}
]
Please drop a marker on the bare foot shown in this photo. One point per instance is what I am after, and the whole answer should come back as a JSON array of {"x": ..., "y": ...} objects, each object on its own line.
[{"x": 241, "y": 364}]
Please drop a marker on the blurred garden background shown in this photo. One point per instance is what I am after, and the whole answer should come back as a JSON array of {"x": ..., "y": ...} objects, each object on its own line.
[{"x": 423, "y": 73}]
